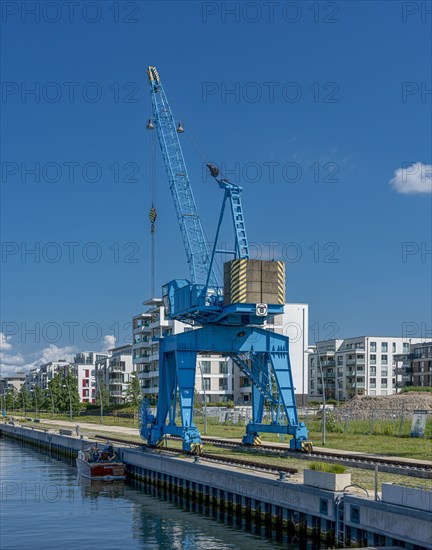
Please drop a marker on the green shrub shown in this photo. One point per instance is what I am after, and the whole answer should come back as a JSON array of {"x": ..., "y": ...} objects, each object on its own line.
[
  {"x": 327, "y": 467},
  {"x": 332, "y": 425}
]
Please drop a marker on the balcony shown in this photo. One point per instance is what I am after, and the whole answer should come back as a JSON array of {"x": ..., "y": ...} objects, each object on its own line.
[
  {"x": 116, "y": 368},
  {"x": 402, "y": 371}
]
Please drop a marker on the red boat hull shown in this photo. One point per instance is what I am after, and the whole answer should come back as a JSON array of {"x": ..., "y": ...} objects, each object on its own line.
[{"x": 101, "y": 470}]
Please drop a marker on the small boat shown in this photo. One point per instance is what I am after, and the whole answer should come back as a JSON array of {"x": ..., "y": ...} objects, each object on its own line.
[{"x": 94, "y": 463}]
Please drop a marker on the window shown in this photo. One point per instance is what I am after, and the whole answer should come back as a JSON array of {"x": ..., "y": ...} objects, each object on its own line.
[
  {"x": 87, "y": 373},
  {"x": 405, "y": 347},
  {"x": 373, "y": 346},
  {"x": 372, "y": 382},
  {"x": 340, "y": 372},
  {"x": 223, "y": 367},
  {"x": 384, "y": 347},
  {"x": 312, "y": 384},
  {"x": 373, "y": 359},
  {"x": 223, "y": 384},
  {"x": 394, "y": 347},
  {"x": 383, "y": 359},
  {"x": 324, "y": 506},
  {"x": 206, "y": 367},
  {"x": 206, "y": 384},
  {"x": 384, "y": 382},
  {"x": 355, "y": 514},
  {"x": 340, "y": 360}
]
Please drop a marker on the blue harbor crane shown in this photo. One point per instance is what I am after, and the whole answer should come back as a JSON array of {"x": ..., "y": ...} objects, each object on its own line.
[{"x": 227, "y": 320}]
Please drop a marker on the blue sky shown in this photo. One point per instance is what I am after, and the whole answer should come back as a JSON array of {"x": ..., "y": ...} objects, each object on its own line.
[{"x": 328, "y": 101}]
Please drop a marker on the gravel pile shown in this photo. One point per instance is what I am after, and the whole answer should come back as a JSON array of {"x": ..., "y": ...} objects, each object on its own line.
[{"x": 384, "y": 407}]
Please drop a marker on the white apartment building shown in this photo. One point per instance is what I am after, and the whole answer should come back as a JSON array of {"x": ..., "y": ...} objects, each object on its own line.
[
  {"x": 83, "y": 368},
  {"x": 216, "y": 377},
  {"x": 363, "y": 365},
  {"x": 115, "y": 371},
  {"x": 47, "y": 372}
]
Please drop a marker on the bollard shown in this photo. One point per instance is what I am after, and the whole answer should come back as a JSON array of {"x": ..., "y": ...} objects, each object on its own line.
[
  {"x": 282, "y": 476},
  {"x": 197, "y": 460},
  {"x": 77, "y": 429}
]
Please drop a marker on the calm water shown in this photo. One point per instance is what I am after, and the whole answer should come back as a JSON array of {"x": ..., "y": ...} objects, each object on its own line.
[{"x": 44, "y": 505}]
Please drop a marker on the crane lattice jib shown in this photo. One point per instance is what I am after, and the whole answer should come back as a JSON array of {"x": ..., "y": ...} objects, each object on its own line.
[{"x": 195, "y": 244}]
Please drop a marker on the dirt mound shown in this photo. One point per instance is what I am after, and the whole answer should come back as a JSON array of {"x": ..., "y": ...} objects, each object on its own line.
[{"x": 382, "y": 407}]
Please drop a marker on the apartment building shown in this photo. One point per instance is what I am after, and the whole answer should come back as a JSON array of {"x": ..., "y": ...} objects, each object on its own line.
[
  {"x": 363, "y": 365},
  {"x": 115, "y": 371},
  {"x": 47, "y": 371},
  {"x": 10, "y": 383},
  {"x": 415, "y": 368},
  {"x": 83, "y": 368},
  {"x": 217, "y": 378}
]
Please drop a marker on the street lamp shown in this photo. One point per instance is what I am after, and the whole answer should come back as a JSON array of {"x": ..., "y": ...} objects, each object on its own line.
[
  {"x": 36, "y": 402},
  {"x": 100, "y": 394},
  {"x": 24, "y": 405},
  {"x": 70, "y": 400},
  {"x": 52, "y": 403},
  {"x": 316, "y": 350}
]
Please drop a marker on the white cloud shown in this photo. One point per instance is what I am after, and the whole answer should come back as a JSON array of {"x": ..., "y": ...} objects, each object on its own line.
[
  {"x": 109, "y": 342},
  {"x": 54, "y": 353},
  {"x": 4, "y": 344},
  {"x": 413, "y": 179},
  {"x": 11, "y": 359}
]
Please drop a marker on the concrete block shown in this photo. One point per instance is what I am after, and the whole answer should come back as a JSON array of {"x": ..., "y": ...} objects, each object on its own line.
[
  {"x": 269, "y": 298},
  {"x": 253, "y": 297},
  {"x": 253, "y": 286},
  {"x": 270, "y": 277},
  {"x": 326, "y": 480}
]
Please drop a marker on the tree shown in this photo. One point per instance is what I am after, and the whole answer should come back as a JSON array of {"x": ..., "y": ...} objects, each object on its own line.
[
  {"x": 36, "y": 396},
  {"x": 24, "y": 400},
  {"x": 102, "y": 394},
  {"x": 70, "y": 394},
  {"x": 133, "y": 392},
  {"x": 12, "y": 399},
  {"x": 55, "y": 392}
]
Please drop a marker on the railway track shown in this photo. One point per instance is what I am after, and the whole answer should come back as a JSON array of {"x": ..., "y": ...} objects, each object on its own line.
[
  {"x": 405, "y": 467},
  {"x": 220, "y": 459},
  {"x": 385, "y": 464}
]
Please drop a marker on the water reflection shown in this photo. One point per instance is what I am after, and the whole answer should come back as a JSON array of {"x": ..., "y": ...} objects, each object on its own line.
[{"x": 72, "y": 512}]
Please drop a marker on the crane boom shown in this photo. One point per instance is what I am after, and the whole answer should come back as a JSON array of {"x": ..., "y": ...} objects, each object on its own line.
[{"x": 196, "y": 247}]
